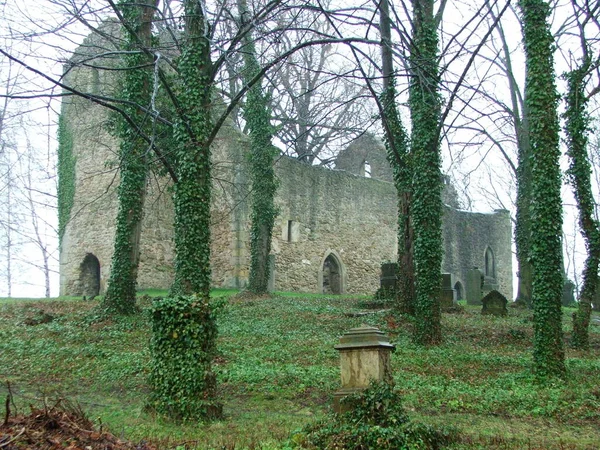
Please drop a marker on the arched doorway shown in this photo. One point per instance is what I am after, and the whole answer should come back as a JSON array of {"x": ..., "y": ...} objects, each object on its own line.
[
  {"x": 458, "y": 290},
  {"x": 332, "y": 280},
  {"x": 89, "y": 276}
]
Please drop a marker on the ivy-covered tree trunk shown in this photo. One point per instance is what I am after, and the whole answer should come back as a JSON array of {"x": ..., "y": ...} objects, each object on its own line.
[
  {"x": 262, "y": 173},
  {"x": 184, "y": 329},
  {"x": 546, "y": 204},
  {"x": 136, "y": 90},
  {"x": 425, "y": 113},
  {"x": 576, "y": 128},
  {"x": 192, "y": 191},
  {"x": 396, "y": 143}
]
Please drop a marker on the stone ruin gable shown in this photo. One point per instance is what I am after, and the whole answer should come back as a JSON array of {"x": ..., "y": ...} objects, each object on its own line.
[
  {"x": 366, "y": 148},
  {"x": 331, "y": 212},
  {"x": 91, "y": 224},
  {"x": 467, "y": 235},
  {"x": 91, "y": 227}
]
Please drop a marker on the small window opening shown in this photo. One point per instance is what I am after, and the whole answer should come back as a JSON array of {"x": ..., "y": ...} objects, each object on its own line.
[
  {"x": 289, "y": 230},
  {"x": 365, "y": 169},
  {"x": 490, "y": 269}
]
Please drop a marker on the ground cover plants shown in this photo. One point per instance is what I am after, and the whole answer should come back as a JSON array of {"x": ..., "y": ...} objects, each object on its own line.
[{"x": 277, "y": 368}]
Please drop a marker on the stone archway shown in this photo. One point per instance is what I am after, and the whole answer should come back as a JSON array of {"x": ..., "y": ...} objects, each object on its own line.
[
  {"x": 331, "y": 279},
  {"x": 459, "y": 291},
  {"x": 89, "y": 276}
]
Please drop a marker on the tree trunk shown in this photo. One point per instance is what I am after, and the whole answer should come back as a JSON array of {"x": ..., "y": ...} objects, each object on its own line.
[
  {"x": 546, "y": 204},
  {"x": 576, "y": 129},
  {"x": 120, "y": 295},
  {"x": 192, "y": 192},
  {"x": 262, "y": 173},
  {"x": 397, "y": 155},
  {"x": 426, "y": 205}
]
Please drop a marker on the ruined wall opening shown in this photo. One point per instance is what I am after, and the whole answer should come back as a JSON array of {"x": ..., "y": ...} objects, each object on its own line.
[
  {"x": 459, "y": 291},
  {"x": 490, "y": 269},
  {"x": 89, "y": 276},
  {"x": 332, "y": 279}
]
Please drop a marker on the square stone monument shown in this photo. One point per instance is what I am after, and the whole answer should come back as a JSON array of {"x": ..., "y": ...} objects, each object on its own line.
[{"x": 364, "y": 357}]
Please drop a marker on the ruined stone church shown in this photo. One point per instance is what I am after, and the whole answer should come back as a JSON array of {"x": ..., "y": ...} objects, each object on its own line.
[{"x": 334, "y": 229}]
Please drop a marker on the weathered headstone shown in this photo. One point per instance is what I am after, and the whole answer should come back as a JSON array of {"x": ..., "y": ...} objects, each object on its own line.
[
  {"x": 568, "y": 296},
  {"x": 474, "y": 285},
  {"x": 489, "y": 285},
  {"x": 364, "y": 357},
  {"x": 389, "y": 276},
  {"x": 494, "y": 303},
  {"x": 446, "y": 292}
]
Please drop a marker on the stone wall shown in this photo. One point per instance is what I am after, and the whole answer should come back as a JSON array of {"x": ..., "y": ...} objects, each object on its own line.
[
  {"x": 468, "y": 235},
  {"x": 352, "y": 217}
]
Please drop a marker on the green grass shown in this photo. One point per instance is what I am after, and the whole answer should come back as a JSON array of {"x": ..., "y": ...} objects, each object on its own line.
[{"x": 277, "y": 370}]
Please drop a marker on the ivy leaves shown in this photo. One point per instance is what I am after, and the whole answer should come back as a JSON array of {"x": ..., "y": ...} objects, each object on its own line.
[{"x": 546, "y": 213}]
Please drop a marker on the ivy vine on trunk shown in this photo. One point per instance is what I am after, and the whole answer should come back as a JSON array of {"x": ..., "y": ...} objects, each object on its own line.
[
  {"x": 425, "y": 111},
  {"x": 262, "y": 159},
  {"x": 546, "y": 206},
  {"x": 576, "y": 128},
  {"x": 133, "y": 150},
  {"x": 396, "y": 143},
  {"x": 192, "y": 191}
]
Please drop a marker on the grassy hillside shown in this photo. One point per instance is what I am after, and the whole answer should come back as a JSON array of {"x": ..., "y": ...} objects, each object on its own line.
[{"x": 277, "y": 371}]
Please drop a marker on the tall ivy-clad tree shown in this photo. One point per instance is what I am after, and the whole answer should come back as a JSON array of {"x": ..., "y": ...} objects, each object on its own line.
[
  {"x": 396, "y": 143},
  {"x": 576, "y": 128},
  {"x": 425, "y": 111},
  {"x": 262, "y": 158},
  {"x": 546, "y": 206},
  {"x": 192, "y": 192},
  {"x": 136, "y": 19}
]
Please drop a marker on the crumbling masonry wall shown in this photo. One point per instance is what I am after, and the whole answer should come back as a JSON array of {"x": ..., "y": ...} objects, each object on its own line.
[{"x": 322, "y": 212}]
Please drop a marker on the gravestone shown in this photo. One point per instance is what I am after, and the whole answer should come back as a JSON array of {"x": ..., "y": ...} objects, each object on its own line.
[
  {"x": 446, "y": 292},
  {"x": 388, "y": 277},
  {"x": 387, "y": 281},
  {"x": 568, "y": 296},
  {"x": 489, "y": 285},
  {"x": 474, "y": 284},
  {"x": 494, "y": 303}
]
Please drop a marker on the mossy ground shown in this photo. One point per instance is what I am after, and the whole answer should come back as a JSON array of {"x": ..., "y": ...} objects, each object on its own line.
[{"x": 277, "y": 371}]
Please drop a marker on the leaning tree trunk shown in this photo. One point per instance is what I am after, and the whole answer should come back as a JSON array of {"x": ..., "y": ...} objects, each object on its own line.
[
  {"x": 137, "y": 82},
  {"x": 546, "y": 204},
  {"x": 425, "y": 110},
  {"x": 396, "y": 142},
  {"x": 576, "y": 129}
]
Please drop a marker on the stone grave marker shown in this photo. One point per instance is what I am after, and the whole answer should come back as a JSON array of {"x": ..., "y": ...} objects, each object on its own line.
[
  {"x": 387, "y": 281},
  {"x": 473, "y": 286},
  {"x": 446, "y": 292},
  {"x": 489, "y": 285},
  {"x": 494, "y": 303}
]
